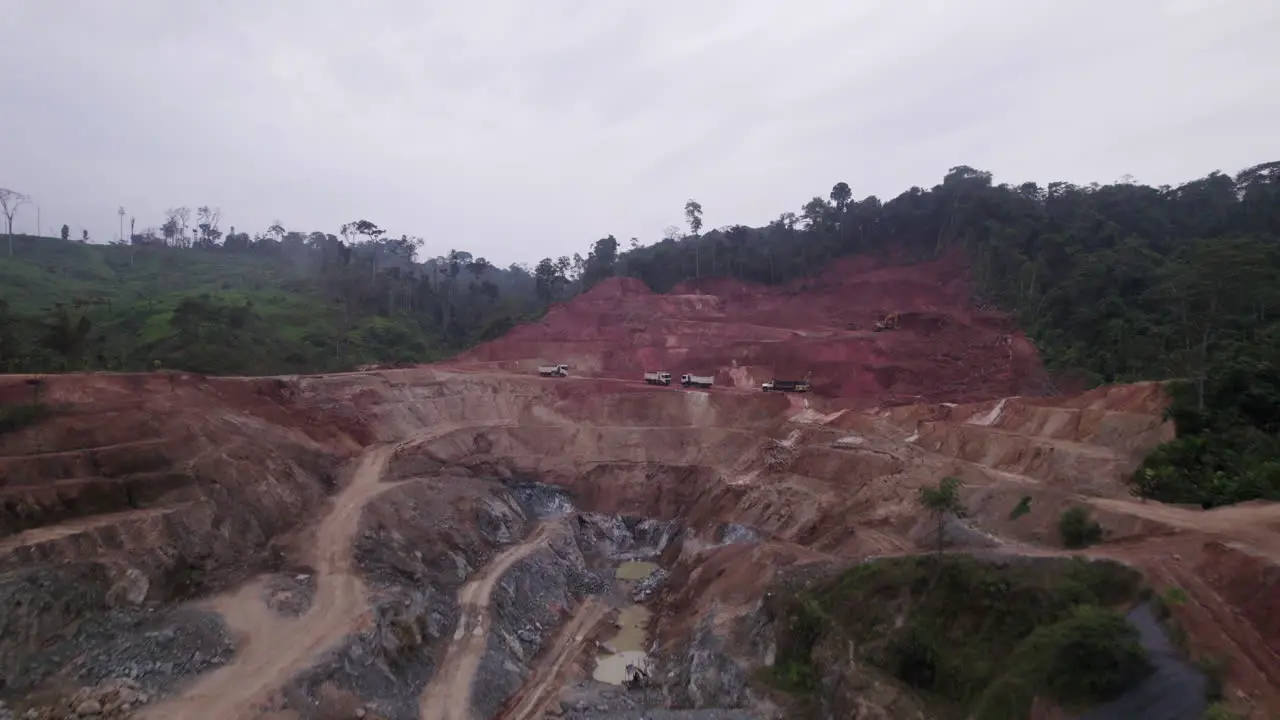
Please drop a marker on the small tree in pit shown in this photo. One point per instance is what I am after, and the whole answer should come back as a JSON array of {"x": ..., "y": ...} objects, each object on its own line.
[{"x": 941, "y": 501}]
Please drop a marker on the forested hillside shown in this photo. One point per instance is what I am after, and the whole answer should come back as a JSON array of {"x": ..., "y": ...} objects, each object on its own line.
[
  {"x": 285, "y": 302},
  {"x": 1117, "y": 282},
  {"x": 1114, "y": 282}
]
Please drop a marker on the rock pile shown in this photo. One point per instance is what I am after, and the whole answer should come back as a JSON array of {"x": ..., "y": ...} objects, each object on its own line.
[{"x": 117, "y": 698}]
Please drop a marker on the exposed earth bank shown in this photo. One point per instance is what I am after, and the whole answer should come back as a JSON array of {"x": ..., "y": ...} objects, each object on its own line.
[
  {"x": 446, "y": 541},
  {"x": 821, "y": 327}
]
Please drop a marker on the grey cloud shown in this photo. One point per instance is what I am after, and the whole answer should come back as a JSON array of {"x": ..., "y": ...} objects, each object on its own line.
[{"x": 520, "y": 129}]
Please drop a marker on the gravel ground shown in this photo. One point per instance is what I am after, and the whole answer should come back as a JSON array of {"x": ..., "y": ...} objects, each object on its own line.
[
  {"x": 649, "y": 586},
  {"x": 591, "y": 700},
  {"x": 41, "y": 607},
  {"x": 123, "y": 659},
  {"x": 111, "y": 699},
  {"x": 290, "y": 595},
  {"x": 388, "y": 665},
  {"x": 733, "y": 533},
  {"x": 156, "y": 648}
]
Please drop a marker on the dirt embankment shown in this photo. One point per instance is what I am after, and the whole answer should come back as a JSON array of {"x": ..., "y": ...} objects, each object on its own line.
[
  {"x": 146, "y": 489},
  {"x": 945, "y": 350}
]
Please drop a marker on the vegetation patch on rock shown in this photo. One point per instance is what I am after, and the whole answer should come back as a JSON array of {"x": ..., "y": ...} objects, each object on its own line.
[
  {"x": 1228, "y": 445},
  {"x": 983, "y": 636},
  {"x": 1078, "y": 529}
]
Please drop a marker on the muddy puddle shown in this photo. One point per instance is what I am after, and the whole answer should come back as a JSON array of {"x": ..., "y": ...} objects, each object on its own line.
[
  {"x": 635, "y": 570},
  {"x": 627, "y": 646},
  {"x": 626, "y": 649}
]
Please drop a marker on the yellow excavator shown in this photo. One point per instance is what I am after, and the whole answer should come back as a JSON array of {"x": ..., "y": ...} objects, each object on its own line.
[{"x": 888, "y": 322}]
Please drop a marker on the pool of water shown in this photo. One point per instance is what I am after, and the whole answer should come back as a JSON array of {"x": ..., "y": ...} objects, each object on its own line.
[
  {"x": 612, "y": 669},
  {"x": 635, "y": 570},
  {"x": 627, "y": 646}
]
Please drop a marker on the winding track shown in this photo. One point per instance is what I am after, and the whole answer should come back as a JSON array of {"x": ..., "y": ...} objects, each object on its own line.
[
  {"x": 448, "y": 695},
  {"x": 273, "y": 649},
  {"x": 543, "y": 686}
]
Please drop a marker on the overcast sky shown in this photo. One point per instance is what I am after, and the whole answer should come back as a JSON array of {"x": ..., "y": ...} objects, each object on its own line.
[{"x": 518, "y": 129}]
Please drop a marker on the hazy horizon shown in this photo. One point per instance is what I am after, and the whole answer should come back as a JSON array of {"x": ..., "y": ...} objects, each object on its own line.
[{"x": 517, "y": 131}]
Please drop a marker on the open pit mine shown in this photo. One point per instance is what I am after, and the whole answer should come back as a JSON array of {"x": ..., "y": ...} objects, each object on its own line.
[{"x": 477, "y": 539}]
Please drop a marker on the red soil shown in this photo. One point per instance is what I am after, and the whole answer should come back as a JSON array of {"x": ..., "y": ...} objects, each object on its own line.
[{"x": 946, "y": 350}]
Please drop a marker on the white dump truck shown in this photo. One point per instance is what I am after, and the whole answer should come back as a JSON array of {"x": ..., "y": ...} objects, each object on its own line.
[
  {"x": 658, "y": 378},
  {"x": 776, "y": 385},
  {"x": 702, "y": 381},
  {"x": 554, "y": 371}
]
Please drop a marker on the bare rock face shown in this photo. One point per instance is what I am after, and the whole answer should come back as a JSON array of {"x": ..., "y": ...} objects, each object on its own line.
[
  {"x": 706, "y": 677},
  {"x": 40, "y": 602}
]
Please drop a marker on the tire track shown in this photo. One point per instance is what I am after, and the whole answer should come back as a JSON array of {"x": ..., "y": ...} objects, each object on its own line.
[
  {"x": 543, "y": 686},
  {"x": 448, "y": 695},
  {"x": 272, "y": 649}
]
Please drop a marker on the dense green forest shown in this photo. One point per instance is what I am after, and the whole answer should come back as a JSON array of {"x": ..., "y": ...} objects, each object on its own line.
[
  {"x": 280, "y": 303},
  {"x": 1116, "y": 282}
]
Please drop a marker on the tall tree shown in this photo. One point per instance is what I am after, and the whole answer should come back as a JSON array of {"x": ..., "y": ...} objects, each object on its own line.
[
  {"x": 840, "y": 196},
  {"x": 175, "y": 225},
  {"x": 546, "y": 274},
  {"x": 207, "y": 220},
  {"x": 10, "y": 201},
  {"x": 369, "y": 230},
  {"x": 693, "y": 216},
  {"x": 600, "y": 262},
  {"x": 941, "y": 501},
  {"x": 815, "y": 214}
]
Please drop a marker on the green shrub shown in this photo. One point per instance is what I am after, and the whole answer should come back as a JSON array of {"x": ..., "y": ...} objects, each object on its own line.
[
  {"x": 802, "y": 626},
  {"x": 795, "y": 676},
  {"x": 1215, "y": 674},
  {"x": 1078, "y": 529},
  {"x": 16, "y": 417},
  {"x": 1023, "y": 507},
  {"x": 1218, "y": 711},
  {"x": 1090, "y": 657}
]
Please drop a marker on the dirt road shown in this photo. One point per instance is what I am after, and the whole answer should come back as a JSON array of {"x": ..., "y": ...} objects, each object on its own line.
[
  {"x": 543, "y": 687},
  {"x": 448, "y": 695},
  {"x": 271, "y": 648},
  {"x": 1257, "y": 525}
]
